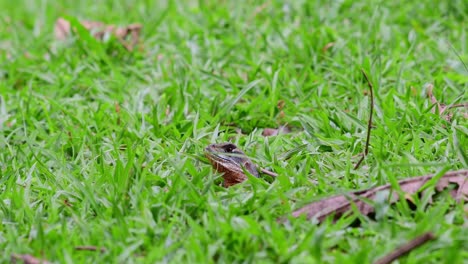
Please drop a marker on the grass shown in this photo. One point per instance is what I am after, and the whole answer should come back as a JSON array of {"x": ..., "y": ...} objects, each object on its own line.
[{"x": 103, "y": 147}]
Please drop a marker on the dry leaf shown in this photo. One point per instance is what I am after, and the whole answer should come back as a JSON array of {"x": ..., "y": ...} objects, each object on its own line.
[
  {"x": 128, "y": 35},
  {"x": 280, "y": 104},
  {"x": 259, "y": 9},
  {"x": 440, "y": 108},
  {"x": 328, "y": 46},
  {"x": 267, "y": 132},
  {"x": 340, "y": 204},
  {"x": 27, "y": 259},
  {"x": 61, "y": 29}
]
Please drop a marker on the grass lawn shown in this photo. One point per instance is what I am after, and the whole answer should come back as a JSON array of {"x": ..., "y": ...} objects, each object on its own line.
[{"x": 103, "y": 147}]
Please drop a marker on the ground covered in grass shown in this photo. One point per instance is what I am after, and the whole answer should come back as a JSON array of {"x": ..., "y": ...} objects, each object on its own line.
[{"x": 103, "y": 147}]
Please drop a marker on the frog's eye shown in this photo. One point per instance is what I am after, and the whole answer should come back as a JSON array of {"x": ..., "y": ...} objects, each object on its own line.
[{"x": 229, "y": 147}]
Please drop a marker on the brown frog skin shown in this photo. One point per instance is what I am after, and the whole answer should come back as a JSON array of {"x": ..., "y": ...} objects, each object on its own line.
[{"x": 228, "y": 159}]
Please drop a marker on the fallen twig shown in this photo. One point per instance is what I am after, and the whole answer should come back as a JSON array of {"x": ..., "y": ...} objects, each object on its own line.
[
  {"x": 91, "y": 248},
  {"x": 406, "y": 248},
  {"x": 369, "y": 122},
  {"x": 465, "y": 105},
  {"x": 270, "y": 173}
]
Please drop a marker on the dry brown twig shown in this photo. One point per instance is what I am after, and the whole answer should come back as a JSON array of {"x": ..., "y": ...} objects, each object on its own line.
[
  {"x": 91, "y": 248},
  {"x": 369, "y": 122},
  {"x": 267, "y": 172},
  {"x": 406, "y": 248}
]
